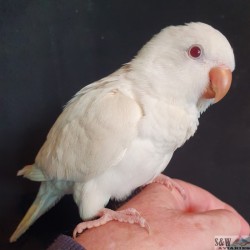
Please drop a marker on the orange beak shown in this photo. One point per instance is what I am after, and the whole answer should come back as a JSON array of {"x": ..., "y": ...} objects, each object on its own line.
[{"x": 220, "y": 82}]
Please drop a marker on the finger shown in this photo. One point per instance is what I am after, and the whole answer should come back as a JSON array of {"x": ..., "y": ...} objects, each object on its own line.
[
  {"x": 212, "y": 225},
  {"x": 200, "y": 200}
]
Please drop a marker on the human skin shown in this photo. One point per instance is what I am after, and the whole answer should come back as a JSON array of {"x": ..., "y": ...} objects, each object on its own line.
[{"x": 174, "y": 223}]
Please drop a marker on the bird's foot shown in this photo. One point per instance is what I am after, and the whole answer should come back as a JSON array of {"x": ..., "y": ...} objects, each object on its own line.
[
  {"x": 170, "y": 184},
  {"x": 129, "y": 215}
]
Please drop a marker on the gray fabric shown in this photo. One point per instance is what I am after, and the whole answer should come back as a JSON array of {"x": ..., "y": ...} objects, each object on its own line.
[{"x": 64, "y": 242}]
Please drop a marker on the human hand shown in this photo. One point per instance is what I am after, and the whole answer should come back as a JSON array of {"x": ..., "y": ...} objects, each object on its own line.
[{"x": 174, "y": 223}]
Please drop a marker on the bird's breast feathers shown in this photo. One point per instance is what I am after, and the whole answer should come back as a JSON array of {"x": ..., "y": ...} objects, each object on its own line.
[{"x": 168, "y": 125}]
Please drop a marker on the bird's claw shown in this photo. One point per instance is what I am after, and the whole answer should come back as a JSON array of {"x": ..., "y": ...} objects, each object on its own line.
[
  {"x": 130, "y": 215},
  {"x": 170, "y": 184}
]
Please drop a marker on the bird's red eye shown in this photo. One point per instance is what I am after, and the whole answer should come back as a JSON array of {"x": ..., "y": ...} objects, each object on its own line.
[{"x": 195, "y": 51}]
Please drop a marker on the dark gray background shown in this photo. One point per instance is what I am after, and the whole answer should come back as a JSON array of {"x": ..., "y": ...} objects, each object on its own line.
[{"x": 51, "y": 49}]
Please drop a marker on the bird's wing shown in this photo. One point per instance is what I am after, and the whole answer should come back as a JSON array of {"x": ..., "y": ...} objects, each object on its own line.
[{"x": 91, "y": 135}]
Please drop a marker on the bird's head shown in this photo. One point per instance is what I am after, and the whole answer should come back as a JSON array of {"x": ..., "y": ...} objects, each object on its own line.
[{"x": 192, "y": 63}]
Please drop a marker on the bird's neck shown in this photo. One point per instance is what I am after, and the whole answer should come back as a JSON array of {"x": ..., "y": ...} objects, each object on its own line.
[{"x": 145, "y": 82}]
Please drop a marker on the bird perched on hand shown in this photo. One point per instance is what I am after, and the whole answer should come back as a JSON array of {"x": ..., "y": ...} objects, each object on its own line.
[{"x": 120, "y": 132}]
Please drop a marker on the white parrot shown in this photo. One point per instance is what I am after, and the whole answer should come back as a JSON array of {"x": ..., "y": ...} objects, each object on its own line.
[{"x": 120, "y": 132}]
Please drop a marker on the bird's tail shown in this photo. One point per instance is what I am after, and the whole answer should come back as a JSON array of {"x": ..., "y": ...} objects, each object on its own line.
[
  {"x": 49, "y": 194},
  {"x": 33, "y": 173}
]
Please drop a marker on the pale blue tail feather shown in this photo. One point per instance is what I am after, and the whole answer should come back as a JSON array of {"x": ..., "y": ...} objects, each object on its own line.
[{"x": 49, "y": 194}]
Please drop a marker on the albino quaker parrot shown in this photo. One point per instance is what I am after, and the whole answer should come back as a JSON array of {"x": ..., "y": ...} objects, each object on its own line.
[{"x": 120, "y": 132}]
